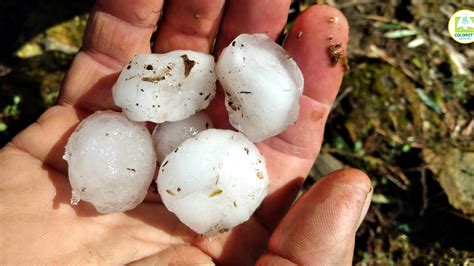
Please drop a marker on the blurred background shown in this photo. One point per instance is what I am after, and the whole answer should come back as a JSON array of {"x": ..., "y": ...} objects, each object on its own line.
[{"x": 404, "y": 114}]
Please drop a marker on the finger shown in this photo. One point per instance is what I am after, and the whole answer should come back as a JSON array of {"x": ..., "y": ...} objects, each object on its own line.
[
  {"x": 299, "y": 145},
  {"x": 308, "y": 44},
  {"x": 245, "y": 16},
  {"x": 313, "y": 32},
  {"x": 116, "y": 31},
  {"x": 189, "y": 25},
  {"x": 120, "y": 29},
  {"x": 321, "y": 227}
]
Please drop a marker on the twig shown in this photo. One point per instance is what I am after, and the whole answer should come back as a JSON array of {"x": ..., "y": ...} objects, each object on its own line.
[
  {"x": 341, "y": 97},
  {"x": 399, "y": 173},
  {"x": 425, "y": 191},
  {"x": 396, "y": 182},
  {"x": 367, "y": 158},
  {"x": 356, "y": 2},
  {"x": 379, "y": 216},
  {"x": 382, "y": 54}
]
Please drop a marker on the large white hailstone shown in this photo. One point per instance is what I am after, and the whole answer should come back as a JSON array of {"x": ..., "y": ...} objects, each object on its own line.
[
  {"x": 262, "y": 86},
  {"x": 169, "y": 135},
  {"x": 214, "y": 181},
  {"x": 165, "y": 87},
  {"x": 111, "y": 162}
]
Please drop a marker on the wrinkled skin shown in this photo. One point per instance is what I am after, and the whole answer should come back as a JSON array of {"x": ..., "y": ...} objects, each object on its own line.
[{"x": 37, "y": 223}]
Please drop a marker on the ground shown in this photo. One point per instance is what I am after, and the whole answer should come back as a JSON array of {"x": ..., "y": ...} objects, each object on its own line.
[{"x": 404, "y": 115}]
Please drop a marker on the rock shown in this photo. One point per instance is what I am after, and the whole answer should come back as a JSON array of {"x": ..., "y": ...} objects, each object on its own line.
[{"x": 455, "y": 173}]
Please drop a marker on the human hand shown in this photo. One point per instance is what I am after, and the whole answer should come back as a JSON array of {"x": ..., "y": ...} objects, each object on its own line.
[{"x": 38, "y": 225}]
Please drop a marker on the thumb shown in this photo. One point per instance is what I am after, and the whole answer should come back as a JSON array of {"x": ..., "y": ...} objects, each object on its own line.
[{"x": 320, "y": 228}]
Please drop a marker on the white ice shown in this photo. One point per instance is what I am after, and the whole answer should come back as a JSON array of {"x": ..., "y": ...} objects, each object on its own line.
[
  {"x": 111, "y": 162},
  {"x": 263, "y": 85},
  {"x": 214, "y": 181},
  {"x": 165, "y": 87},
  {"x": 168, "y": 136}
]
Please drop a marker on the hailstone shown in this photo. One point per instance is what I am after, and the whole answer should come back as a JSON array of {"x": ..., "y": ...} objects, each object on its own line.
[
  {"x": 213, "y": 181},
  {"x": 262, "y": 84},
  {"x": 168, "y": 136},
  {"x": 165, "y": 87},
  {"x": 111, "y": 162}
]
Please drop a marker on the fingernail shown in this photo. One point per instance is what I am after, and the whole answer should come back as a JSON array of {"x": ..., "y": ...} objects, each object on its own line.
[{"x": 365, "y": 207}]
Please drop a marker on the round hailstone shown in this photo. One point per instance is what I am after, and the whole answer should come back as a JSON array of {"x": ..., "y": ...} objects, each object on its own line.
[
  {"x": 111, "y": 162},
  {"x": 169, "y": 135},
  {"x": 262, "y": 85},
  {"x": 165, "y": 87},
  {"x": 214, "y": 181}
]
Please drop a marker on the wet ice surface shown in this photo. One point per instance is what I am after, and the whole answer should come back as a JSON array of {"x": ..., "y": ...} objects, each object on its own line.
[
  {"x": 111, "y": 162},
  {"x": 168, "y": 136},
  {"x": 262, "y": 85},
  {"x": 214, "y": 181},
  {"x": 165, "y": 87}
]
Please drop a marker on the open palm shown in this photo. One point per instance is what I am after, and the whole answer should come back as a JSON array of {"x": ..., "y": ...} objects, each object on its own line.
[{"x": 37, "y": 223}]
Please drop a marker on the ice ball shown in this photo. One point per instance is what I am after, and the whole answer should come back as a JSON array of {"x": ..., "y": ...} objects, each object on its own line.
[
  {"x": 111, "y": 162},
  {"x": 165, "y": 87},
  {"x": 214, "y": 181},
  {"x": 168, "y": 136},
  {"x": 262, "y": 84}
]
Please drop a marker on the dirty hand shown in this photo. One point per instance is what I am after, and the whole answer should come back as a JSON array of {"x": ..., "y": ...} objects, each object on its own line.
[{"x": 38, "y": 225}]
